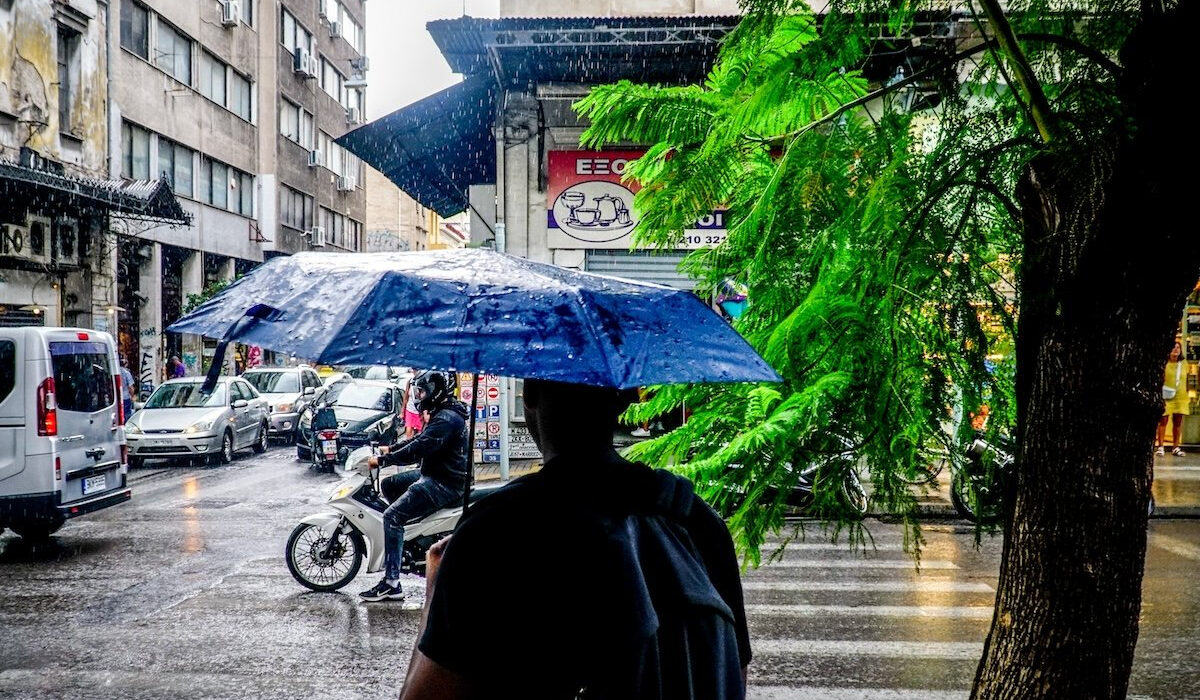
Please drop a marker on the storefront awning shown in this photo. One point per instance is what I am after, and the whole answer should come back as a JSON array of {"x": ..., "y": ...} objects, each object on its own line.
[
  {"x": 150, "y": 200},
  {"x": 436, "y": 148}
]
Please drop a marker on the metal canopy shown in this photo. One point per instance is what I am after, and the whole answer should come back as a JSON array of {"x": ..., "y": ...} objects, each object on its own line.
[
  {"x": 148, "y": 200},
  {"x": 436, "y": 148}
]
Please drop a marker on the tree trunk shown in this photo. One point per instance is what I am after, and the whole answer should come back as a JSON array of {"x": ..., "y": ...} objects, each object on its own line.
[{"x": 1107, "y": 265}]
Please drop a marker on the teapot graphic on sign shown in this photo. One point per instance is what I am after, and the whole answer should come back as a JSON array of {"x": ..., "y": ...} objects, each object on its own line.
[{"x": 609, "y": 211}]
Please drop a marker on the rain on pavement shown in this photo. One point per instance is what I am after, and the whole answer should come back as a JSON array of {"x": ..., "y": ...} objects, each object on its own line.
[{"x": 183, "y": 592}]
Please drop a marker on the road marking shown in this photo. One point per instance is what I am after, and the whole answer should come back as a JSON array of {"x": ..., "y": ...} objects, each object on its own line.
[
  {"x": 859, "y": 564},
  {"x": 871, "y": 586},
  {"x": 876, "y": 649},
  {"x": 961, "y": 612},
  {"x": 835, "y": 547},
  {"x": 1176, "y": 546},
  {"x": 761, "y": 692}
]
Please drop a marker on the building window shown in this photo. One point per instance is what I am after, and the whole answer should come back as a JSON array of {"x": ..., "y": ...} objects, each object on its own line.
[
  {"x": 331, "y": 81},
  {"x": 289, "y": 121},
  {"x": 292, "y": 35},
  {"x": 175, "y": 164},
  {"x": 248, "y": 12},
  {"x": 341, "y": 230},
  {"x": 212, "y": 78},
  {"x": 226, "y": 187},
  {"x": 135, "y": 28},
  {"x": 239, "y": 96},
  {"x": 68, "y": 75},
  {"x": 135, "y": 152},
  {"x": 174, "y": 53},
  {"x": 296, "y": 209}
]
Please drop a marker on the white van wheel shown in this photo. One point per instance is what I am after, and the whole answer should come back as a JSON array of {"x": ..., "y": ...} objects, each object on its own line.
[{"x": 36, "y": 529}]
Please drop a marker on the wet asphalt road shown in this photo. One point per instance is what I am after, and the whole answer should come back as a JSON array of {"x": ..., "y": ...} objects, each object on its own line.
[{"x": 183, "y": 592}]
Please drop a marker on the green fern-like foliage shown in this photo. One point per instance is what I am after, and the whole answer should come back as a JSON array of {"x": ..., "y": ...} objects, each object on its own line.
[{"x": 879, "y": 240}]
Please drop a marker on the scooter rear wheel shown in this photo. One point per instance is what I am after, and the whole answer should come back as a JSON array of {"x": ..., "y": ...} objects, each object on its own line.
[{"x": 309, "y": 566}]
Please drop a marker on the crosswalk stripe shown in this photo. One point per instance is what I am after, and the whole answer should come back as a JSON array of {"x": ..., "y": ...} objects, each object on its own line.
[
  {"x": 877, "y": 649},
  {"x": 760, "y": 692},
  {"x": 871, "y": 586},
  {"x": 1175, "y": 546},
  {"x": 965, "y": 612},
  {"x": 859, "y": 564},
  {"x": 836, "y": 547}
]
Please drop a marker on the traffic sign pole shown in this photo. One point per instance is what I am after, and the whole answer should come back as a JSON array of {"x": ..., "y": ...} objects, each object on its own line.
[{"x": 504, "y": 428}]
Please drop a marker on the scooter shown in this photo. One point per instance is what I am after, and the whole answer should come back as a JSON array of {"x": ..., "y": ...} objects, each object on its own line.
[
  {"x": 980, "y": 487},
  {"x": 326, "y": 550},
  {"x": 325, "y": 441}
]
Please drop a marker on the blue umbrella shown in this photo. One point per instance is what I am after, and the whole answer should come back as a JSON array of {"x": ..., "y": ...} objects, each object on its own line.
[{"x": 474, "y": 311}]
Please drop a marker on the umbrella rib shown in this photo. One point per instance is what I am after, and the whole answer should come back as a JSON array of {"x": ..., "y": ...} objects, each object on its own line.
[{"x": 591, "y": 326}]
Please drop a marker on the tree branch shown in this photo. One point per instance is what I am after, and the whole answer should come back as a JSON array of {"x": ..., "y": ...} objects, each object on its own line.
[{"x": 1039, "y": 106}]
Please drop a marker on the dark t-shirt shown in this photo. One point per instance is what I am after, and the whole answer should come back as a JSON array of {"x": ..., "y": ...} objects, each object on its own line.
[{"x": 531, "y": 598}]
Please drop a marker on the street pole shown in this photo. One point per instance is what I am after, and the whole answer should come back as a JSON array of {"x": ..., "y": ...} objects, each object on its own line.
[{"x": 504, "y": 393}]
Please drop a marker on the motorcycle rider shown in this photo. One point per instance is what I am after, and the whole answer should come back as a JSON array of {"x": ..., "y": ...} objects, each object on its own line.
[{"x": 441, "y": 448}]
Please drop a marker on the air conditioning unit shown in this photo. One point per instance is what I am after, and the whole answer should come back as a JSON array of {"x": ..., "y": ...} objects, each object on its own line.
[
  {"x": 231, "y": 12},
  {"x": 346, "y": 183},
  {"x": 314, "y": 158},
  {"x": 316, "y": 236},
  {"x": 361, "y": 64},
  {"x": 314, "y": 66},
  {"x": 335, "y": 29},
  {"x": 13, "y": 239},
  {"x": 66, "y": 242},
  {"x": 300, "y": 60},
  {"x": 37, "y": 239},
  {"x": 355, "y": 81},
  {"x": 352, "y": 115}
]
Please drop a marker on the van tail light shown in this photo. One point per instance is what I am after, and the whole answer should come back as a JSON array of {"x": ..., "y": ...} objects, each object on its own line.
[
  {"x": 125, "y": 455},
  {"x": 120, "y": 414},
  {"x": 58, "y": 468},
  {"x": 47, "y": 409}
]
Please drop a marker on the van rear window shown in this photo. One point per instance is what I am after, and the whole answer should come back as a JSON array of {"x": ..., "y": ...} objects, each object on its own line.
[{"x": 83, "y": 376}]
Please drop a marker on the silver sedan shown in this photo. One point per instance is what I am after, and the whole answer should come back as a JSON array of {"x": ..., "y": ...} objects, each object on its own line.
[{"x": 178, "y": 421}]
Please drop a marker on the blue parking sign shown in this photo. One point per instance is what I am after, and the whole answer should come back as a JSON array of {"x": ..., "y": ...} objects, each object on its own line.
[{"x": 493, "y": 410}]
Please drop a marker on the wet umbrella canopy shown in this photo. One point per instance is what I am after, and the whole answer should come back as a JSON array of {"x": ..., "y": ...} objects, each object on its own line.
[{"x": 477, "y": 310}]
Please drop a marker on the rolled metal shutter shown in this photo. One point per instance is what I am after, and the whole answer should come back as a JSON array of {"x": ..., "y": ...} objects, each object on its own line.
[{"x": 640, "y": 265}]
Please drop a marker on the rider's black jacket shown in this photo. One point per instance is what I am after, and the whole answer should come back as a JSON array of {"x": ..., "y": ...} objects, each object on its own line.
[{"x": 441, "y": 446}]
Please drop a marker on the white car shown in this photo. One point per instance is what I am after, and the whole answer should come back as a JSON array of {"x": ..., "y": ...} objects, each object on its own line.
[{"x": 288, "y": 390}]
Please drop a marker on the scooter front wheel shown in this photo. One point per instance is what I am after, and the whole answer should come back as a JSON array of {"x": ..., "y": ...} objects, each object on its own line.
[{"x": 319, "y": 566}]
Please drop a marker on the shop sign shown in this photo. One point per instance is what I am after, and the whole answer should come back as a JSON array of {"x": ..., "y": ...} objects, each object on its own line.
[
  {"x": 521, "y": 444},
  {"x": 588, "y": 206}
]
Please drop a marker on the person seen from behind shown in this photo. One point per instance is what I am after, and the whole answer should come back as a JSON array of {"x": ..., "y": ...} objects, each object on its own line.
[
  {"x": 412, "y": 414},
  {"x": 441, "y": 448},
  {"x": 126, "y": 387},
  {"x": 1175, "y": 401},
  {"x": 630, "y": 589}
]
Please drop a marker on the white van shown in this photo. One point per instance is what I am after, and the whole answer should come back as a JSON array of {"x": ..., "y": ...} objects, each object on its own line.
[{"x": 62, "y": 444}]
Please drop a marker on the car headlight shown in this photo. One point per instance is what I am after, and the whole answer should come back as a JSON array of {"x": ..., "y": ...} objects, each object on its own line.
[
  {"x": 133, "y": 429},
  {"x": 200, "y": 427},
  {"x": 283, "y": 408}
]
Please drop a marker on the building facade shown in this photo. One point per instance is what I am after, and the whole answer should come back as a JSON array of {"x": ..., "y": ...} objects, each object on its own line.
[
  {"x": 59, "y": 207},
  {"x": 234, "y": 103}
]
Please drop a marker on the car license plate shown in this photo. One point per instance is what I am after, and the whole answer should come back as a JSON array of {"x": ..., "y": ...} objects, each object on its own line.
[
  {"x": 156, "y": 443},
  {"x": 92, "y": 484},
  {"x": 329, "y": 447}
]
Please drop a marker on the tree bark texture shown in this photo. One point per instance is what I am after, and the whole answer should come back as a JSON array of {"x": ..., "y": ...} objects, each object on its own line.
[{"x": 1110, "y": 255}]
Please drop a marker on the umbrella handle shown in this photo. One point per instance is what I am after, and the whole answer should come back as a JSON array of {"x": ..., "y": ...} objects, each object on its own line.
[{"x": 258, "y": 312}]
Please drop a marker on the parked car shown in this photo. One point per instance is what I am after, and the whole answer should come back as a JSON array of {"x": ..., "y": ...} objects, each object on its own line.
[
  {"x": 367, "y": 411},
  {"x": 288, "y": 390},
  {"x": 62, "y": 450},
  {"x": 180, "y": 422},
  {"x": 383, "y": 373}
]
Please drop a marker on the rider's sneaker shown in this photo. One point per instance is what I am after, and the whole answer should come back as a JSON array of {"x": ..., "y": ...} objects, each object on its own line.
[{"x": 382, "y": 591}]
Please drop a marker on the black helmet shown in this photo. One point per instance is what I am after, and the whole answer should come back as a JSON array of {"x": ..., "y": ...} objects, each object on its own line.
[{"x": 435, "y": 388}]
